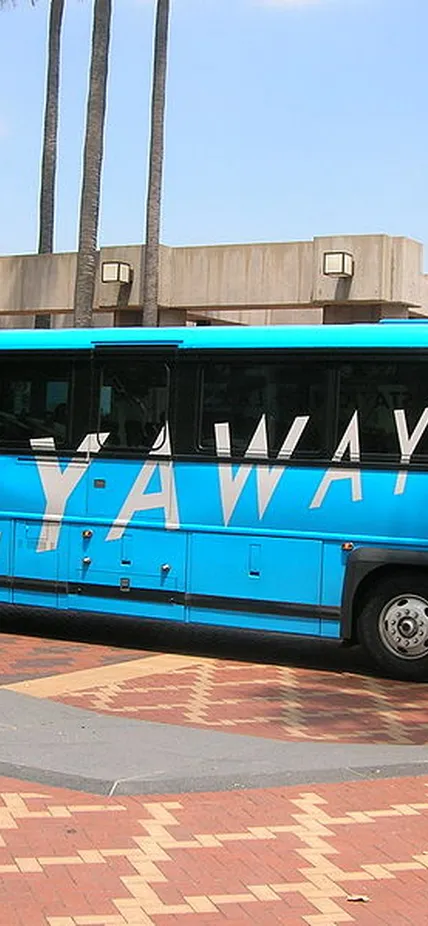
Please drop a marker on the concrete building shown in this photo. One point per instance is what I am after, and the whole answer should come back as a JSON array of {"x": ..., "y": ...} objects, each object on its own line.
[{"x": 337, "y": 279}]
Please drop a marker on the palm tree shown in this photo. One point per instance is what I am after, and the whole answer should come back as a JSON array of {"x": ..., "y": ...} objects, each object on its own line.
[
  {"x": 92, "y": 165},
  {"x": 154, "y": 194},
  {"x": 50, "y": 133}
]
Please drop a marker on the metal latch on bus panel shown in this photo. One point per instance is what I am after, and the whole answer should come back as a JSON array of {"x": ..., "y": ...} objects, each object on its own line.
[{"x": 125, "y": 585}]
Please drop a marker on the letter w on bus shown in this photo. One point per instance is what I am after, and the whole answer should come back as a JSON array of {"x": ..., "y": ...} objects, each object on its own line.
[{"x": 232, "y": 485}]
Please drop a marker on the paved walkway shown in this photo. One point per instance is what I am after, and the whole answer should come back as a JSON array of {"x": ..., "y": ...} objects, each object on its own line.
[
  {"x": 62, "y": 745},
  {"x": 327, "y": 700},
  {"x": 348, "y": 853},
  {"x": 207, "y": 790}
]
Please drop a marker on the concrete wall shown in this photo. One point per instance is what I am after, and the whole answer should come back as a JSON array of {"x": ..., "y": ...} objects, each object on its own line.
[
  {"x": 230, "y": 284},
  {"x": 37, "y": 282},
  {"x": 251, "y": 276},
  {"x": 386, "y": 270},
  {"x": 423, "y": 295}
]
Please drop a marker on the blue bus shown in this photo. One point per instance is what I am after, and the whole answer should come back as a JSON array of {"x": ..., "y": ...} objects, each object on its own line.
[{"x": 273, "y": 479}]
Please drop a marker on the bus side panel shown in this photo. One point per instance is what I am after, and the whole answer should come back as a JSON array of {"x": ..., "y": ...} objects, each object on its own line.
[
  {"x": 252, "y": 573},
  {"x": 139, "y": 572},
  {"x": 5, "y": 559},
  {"x": 334, "y": 564},
  {"x": 264, "y": 578},
  {"x": 255, "y": 620},
  {"x": 35, "y": 572},
  {"x": 40, "y": 542},
  {"x": 135, "y": 545}
]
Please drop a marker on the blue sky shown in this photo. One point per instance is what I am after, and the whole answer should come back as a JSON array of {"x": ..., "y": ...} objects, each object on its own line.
[{"x": 286, "y": 119}]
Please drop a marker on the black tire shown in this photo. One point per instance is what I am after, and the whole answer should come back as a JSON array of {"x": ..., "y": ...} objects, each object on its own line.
[{"x": 393, "y": 590}]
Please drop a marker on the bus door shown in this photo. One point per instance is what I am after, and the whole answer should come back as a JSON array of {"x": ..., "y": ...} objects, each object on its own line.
[{"x": 129, "y": 555}]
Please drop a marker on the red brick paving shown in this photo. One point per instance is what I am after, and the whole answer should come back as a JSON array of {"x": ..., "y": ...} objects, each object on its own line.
[
  {"x": 265, "y": 857},
  {"x": 287, "y": 855},
  {"x": 23, "y": 657},
  {"x": 279, "y": 702},
  {"x": 273, "y": 701}
]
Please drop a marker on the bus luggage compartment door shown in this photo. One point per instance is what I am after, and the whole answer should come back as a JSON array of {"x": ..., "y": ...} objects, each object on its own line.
[
  {"x": 259, "y": 582},
  {"x": 36, "y": 557},
  {"x": 139, "y": 573}
]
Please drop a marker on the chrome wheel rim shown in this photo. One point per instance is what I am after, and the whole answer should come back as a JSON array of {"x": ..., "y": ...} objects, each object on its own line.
[{"x": 403, "y": 627}]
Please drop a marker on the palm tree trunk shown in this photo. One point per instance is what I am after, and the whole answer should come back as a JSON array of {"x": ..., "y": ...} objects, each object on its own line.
[
  {"x": 150, "y": 298},
  {"x": 50, "y": 135},
  {"x": 87, "y": 258}
]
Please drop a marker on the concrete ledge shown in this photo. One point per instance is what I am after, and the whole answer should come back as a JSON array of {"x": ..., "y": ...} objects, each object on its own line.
[
  {"x": 64, "y": 746},
  {"x": 148, "y": 786}
]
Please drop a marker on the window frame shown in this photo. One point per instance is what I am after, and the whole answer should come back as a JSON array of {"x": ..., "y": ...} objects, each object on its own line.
[
  {"x": 76, "y": 361},
  {"x": 260, "y": 356},
  {"x": 191, "y": 361},
  {"x": 271, "y": 358},
  {"x": 185, "y": 398},
  {"x": 167, "y": 355},
  {"x": 376, "y": 460}
]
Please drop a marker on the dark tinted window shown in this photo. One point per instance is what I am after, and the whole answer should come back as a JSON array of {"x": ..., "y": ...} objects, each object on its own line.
[
  {"x": 239, "y": 393},
  {"x": 34, "y": 400},
  {"x": 375, "y": 390},
  {"x": 133, "y": 401}
]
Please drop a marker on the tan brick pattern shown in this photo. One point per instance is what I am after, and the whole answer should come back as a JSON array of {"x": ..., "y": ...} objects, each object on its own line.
[
  {"x": 109, "y": 677},
  {"x": 25, "y": 657},
  {"x": 285, "y": 702},
  {"x": 279, "y": 702},
  {"x": 262, "y": 857}
]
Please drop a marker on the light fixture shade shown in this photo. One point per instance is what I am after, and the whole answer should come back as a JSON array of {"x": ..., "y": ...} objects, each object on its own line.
[
  {"x": 125, "y": 273},
  {"x": 338, "y": 264},
  {"x": 116, "y": 271}
]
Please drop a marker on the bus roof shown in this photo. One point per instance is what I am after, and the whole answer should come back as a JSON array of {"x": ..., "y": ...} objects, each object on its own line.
[{"x": 409, "y": 334}]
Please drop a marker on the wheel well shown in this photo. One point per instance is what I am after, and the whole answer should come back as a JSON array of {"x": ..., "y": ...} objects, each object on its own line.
[{"x": 366, "y": 586}]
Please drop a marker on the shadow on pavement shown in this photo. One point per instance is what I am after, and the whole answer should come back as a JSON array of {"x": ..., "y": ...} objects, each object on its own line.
[{"x": 218, "y": 643}]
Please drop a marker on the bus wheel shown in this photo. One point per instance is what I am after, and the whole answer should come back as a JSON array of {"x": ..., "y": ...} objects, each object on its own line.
[{"x": 393, "y": 626}]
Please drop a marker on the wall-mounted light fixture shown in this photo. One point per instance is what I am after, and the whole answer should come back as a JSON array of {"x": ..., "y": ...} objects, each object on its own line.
[
  {"x": 338, "y": 264},
  {"x": 116, "y": 271}
]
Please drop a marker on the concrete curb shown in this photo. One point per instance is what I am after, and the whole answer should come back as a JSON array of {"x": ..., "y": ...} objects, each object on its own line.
[{"x": 66, "y": 746}]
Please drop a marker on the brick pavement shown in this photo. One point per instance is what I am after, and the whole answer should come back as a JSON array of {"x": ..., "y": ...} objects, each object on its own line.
[
  {"x": 275, "y": 701},
  {"x": 290, "y": 856},
  {"x": 26, "y": 657}
]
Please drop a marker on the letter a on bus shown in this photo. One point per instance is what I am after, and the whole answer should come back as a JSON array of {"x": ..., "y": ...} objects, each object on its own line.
[{"x": 140, "y": 500}]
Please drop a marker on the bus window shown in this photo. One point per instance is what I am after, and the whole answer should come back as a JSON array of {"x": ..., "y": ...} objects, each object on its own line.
[
  {"x": 133, "y": 401},
  {"x": 376, "y": 390},
  {"x": 34, "y": 401},
  {"x": 240, "y": 393}
]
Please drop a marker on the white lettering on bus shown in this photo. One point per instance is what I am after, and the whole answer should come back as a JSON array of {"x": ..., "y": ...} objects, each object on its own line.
[
  {"x": 138, "y": 500},
  {"x": 351, "y": 441},
  {"x": 408, "y": 443},
  {"x": 58, "y": 484},
  {"x": 231, "y": 486}
]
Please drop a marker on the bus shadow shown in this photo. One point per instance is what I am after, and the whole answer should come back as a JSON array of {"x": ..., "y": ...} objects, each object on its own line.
[{"x": 184, "y": 639}]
